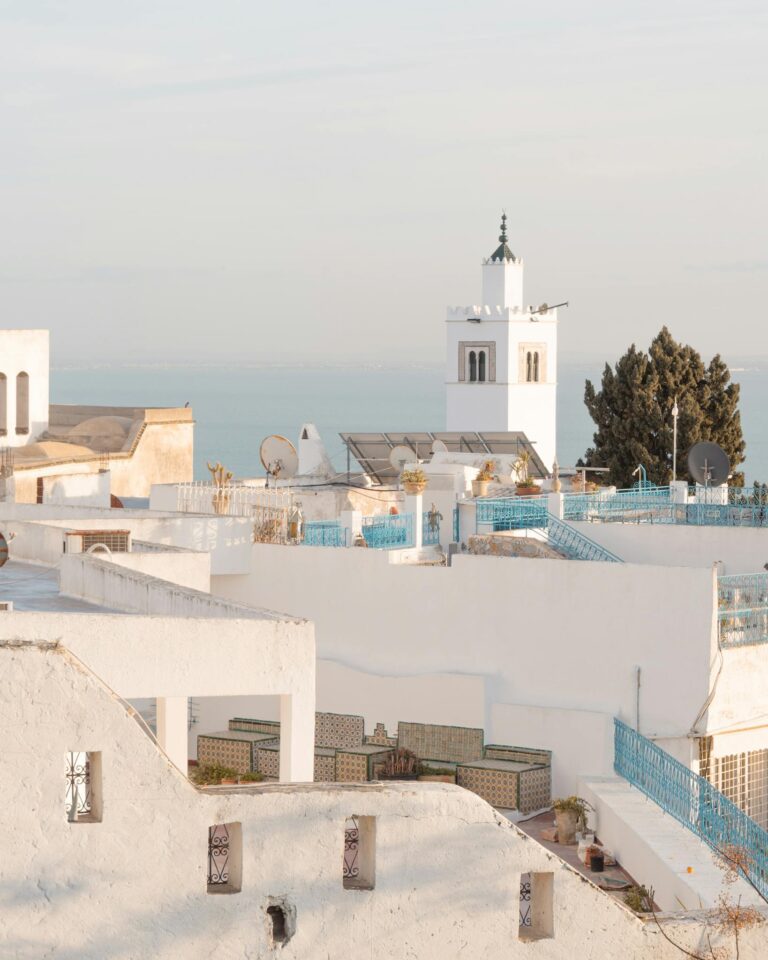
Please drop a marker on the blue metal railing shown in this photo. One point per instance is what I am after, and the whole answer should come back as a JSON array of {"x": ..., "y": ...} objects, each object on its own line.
[
  {"x": 456, "y": 526},
  {"x": 691, "y": 800},
  {"x": 742, "y": 609},
  {"x": 511, "y": 513},
  {"x": 430, "y": 529},
  {"x": 575, "y": 545},
  {"x": 389, "y": 532},
  {"x": 324, "y": 533}
]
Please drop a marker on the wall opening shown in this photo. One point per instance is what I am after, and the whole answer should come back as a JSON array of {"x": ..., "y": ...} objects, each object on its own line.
[
  {"x": 22, "y": 403},
  {"x": 82, "y": 799},
  {"x": 225, "y": 858},
  {"x": 359, "y": 865},
  {"x": 3, "y": 405},
  {"x": 481, "y": 366},
  {"x": 528, "y": 367},
  {"x": 536, "y": 367},
  {"x": 472, "y": 366},
  {"x": 281, "y": 921},
  {"x": 536, "y": 906}
]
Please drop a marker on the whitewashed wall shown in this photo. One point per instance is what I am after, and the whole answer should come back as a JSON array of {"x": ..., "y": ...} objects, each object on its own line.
[
  {"x": 134, "y": 885},
  {"x": 560, "y": 635},
  {"x": 740, "y": 549}
]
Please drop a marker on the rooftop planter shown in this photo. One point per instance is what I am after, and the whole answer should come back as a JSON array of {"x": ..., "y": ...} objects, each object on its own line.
[{"x": 414, "y": 481}]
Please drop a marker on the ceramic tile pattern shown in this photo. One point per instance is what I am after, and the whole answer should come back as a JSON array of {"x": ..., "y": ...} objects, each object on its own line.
[{"x": 433, "y": 741}]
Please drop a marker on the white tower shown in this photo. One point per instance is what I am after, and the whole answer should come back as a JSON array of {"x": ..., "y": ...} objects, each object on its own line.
[
  {"x": 501, "y": 358},
  {"x": 24, "y": 367}
]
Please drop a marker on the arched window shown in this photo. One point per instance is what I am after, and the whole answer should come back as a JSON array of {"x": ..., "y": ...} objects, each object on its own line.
[
  {"x": 481, "y": 366},
  {"x": 528, "y": 367},
  {"x": 472, "y": 366},
  {"x": 22, "y": 402},
  {"x": 3, "y": 404},
  {"x": 536, "y": 367}
]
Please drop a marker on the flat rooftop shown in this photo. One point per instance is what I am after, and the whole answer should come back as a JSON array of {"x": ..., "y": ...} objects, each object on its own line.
[{"x": 36, "y": 589}]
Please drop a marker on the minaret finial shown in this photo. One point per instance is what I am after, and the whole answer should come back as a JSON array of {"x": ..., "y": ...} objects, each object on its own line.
[{"x": 503, "y": 237}]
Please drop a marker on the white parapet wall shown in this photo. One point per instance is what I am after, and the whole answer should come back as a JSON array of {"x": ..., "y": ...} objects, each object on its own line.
[
  {"x": 131, "y": 880},
  {"x": 554, "y": 635}
]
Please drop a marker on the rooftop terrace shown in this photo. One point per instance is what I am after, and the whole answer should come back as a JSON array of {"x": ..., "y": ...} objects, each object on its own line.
[{"x": 33, "y": 588}]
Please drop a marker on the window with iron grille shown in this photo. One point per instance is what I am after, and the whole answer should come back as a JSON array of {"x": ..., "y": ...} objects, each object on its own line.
[
  {"x": 225, "y": 858},
  {"x": 82, "y": 797},
  {"x": 359, "y": 865}
]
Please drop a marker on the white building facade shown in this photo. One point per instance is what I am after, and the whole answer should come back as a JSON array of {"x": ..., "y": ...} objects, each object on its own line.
[
  {"x": 24, "y": 364},
  {"x": 501, "y": 358}
]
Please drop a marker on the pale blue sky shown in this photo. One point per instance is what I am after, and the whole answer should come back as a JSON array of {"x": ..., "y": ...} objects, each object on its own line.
[{"x": 256, "y": 180}]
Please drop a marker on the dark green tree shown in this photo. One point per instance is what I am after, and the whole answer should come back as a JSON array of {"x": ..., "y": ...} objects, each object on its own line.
[{"x": 632, "y": 411}]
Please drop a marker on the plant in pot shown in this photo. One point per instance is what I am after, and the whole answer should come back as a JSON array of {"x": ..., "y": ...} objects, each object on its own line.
[
  {"x": 401, "y": 764},
  {"x": 212, "y": 773},
  {"x": 222, "y": 479},
  {"x": 484, "y": 477},
  {"x": 526, "y": 487},
  {"x": 414, "y": 481},
  {"x": 570, "y": 816}
]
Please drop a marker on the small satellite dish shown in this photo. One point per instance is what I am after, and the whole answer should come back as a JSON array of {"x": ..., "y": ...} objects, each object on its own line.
[
  {"x": 401, "y": 455},
  {"x": 279, "y": 457},
  {"x": 708, "y": 464},
  {"x": 3, "y": 550},
  {"x": 439, "y": 446}
]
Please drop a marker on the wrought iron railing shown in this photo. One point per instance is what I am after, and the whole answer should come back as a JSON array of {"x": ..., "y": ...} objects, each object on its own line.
[
  {"x": 691, "y": 800},
  {"x": 430, "y": 528},
  {"x": 511, "y": 513},
  {"x": 218, "y": 855},
  {"x": 575, "y": 545},
  {"x": 389, "y": 531},
  {"x": 325, "y": 533},
  {"x": 78, "y": 792},
  {"x": 456, "y": 525},
  {"x": 351, "y": 866},
  {"x": 742, "y": 609}
]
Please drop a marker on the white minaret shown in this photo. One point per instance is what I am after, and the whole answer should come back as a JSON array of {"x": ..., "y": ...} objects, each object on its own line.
[{"x": 501, "y": 358}]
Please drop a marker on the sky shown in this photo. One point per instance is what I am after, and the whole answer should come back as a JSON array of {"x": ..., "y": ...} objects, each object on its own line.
[{"x": 258, "y": 182}]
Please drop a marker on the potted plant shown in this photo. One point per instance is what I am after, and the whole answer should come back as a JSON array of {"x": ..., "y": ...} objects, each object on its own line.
[
  {"x": 484, "y": 477},
  {"x": 414, "y": 481},
  {"x": 221, "y": 479},
  {"x": 401, "y": 764},
  {"x": 212, "y": 773},
  {"x": 526, "y": 487},
  {"x": 253, "y": 776},
  {"x": 570, "y": 816},
  {"x": 437, "y": 775}
]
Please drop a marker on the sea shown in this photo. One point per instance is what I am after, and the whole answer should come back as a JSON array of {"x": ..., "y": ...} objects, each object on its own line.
[{"x": 236, "y": 406}]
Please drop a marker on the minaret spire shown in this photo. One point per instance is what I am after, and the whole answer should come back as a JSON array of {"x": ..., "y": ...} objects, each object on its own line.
[{"x": 503, "y": 252}]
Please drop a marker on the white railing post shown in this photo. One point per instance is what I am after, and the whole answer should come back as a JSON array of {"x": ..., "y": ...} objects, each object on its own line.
[
  {"x": 414, "y": 504},
  {"x": 555, "y": 505},
  {"x": 351, "y": 522}
]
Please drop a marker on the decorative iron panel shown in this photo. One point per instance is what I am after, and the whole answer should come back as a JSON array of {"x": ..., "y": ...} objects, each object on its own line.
[
  {"x": 389, "y": 531},
  {"x": 325, "y": 533},
  {"x": 525, "y": 900},
  {"x": 351, "y": 869},
  {"x": 218, "y": 855},
  {"x": 78, "y": 777}
]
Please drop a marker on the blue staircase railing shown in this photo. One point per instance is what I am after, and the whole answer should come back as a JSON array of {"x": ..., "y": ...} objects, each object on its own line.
[
  {"x": 573, "y": 543},
  {"x": 691, "y": 800},
  {"x": 389, "y": 531}
]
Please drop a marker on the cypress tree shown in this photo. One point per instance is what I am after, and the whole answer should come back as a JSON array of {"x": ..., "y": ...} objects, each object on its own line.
[{"x": 633, "y": 411}]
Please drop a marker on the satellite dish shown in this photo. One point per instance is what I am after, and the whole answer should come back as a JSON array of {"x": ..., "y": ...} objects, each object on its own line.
[
  {"x": 3, "y": 550},
  {"x": 439, "y": 446},
  {"x": 401, "y": 455},
  {"x": 279, "y": 457},
  {"x": 708, "y": 464}
]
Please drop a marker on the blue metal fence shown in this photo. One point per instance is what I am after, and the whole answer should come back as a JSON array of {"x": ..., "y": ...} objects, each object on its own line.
[
  {"x": 691, "y": 800},
  {"x": 511, "y": 513},
  {"x": 456, "y": 526},
  {"x": 389, "y": 532},
  {"x": 324, "y": 533},
  {"x": 742, "y": 609},
  {"x": 430, "y": 529},
  {"x": 575, "y": 545}
]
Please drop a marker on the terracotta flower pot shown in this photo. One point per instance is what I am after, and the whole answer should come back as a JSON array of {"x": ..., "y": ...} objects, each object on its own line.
[
  {"x": 567, "y": 821},
  {"x": 527, "y": 490}
]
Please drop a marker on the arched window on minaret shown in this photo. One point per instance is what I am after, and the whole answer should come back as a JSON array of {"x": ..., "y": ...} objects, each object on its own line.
[
  {"x": 472, "y": 366},
  {"x": 528, "y": 367},
  {"x": 22, "y": 403},
  {"x": 481, "y": 366},
  {"x": 536, "y": 367},
  {"x": 3, "y": 405}
]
